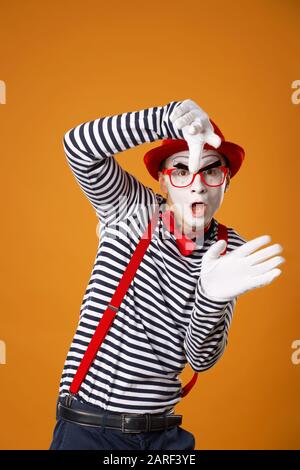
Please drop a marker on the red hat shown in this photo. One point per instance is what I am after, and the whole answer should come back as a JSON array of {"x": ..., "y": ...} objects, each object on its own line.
[{"x": 153, "y": 158}]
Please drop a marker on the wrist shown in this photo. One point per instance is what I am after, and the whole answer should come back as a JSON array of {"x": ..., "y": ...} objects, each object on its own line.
[{"x": 169, "y": 130}]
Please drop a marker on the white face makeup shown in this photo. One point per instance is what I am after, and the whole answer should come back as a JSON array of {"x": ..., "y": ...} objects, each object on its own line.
[{"x": 180, "y": 200}]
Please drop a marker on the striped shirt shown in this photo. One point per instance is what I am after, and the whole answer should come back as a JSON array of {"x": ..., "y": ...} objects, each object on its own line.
[{"x": 164, "y": 321}]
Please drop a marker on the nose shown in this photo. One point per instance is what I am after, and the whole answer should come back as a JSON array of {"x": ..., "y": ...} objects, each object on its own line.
[{"x": 198, "y": 186}]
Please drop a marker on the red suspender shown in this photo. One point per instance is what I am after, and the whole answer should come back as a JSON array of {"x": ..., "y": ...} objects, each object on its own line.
[
  {"x": 222, "y": 235},
  {"x": 116, "y": 301}
]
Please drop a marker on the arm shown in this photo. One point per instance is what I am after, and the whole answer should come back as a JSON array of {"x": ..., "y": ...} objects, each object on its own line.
[
  {"x": 222, "y": 280},
  {"x": 90, "y": 148},
  {"x": 207, "y": 334}
]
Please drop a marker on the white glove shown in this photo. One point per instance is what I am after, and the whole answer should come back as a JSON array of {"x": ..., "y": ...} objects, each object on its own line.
[
  {"x": 197, "y": 130},
  {"x": 224, "y": 277}
]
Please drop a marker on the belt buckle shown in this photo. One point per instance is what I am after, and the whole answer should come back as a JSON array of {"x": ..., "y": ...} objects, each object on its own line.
[
  {"x": 69, "y": 399},
  {"x": 128, "y": 431}
]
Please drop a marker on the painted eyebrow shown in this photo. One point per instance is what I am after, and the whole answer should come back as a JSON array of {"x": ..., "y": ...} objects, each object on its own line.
[{"x": 207, "y": 167}]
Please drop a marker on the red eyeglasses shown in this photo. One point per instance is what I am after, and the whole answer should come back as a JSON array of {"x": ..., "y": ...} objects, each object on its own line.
[{"x": 212, "y": 175}]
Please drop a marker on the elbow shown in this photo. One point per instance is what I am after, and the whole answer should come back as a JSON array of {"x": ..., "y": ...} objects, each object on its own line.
[
  {"x": 206, "y": 361},
  {"x": 66, "y": 138}
]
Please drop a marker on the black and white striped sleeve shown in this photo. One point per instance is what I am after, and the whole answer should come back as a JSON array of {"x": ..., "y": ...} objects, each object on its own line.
[
  {"x": 207, "y": 334},
  {"x": 90, "y": 147}
]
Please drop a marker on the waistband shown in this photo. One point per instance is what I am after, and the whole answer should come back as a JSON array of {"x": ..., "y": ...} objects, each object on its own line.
[{"x": 85, "y": 414}]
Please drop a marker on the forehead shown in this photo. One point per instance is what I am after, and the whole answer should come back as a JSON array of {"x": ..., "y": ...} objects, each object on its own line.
[{"x": 208, "y": 156}]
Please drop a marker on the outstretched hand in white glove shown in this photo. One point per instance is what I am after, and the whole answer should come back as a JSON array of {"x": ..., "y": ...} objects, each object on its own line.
[
  {"x": 224, "y": 277},
  {"x": 197, "y": 130}
]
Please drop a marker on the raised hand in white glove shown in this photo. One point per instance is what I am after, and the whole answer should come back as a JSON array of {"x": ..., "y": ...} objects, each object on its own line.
[
  {"x": 227, "y": 276},
  {"x": 197, "y": 130}
]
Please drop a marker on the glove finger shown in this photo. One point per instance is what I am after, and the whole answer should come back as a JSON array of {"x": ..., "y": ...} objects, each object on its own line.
[
  {"x": 213, "y": 140},
  {"x": 196, "y": 151},
  {"x": 252, "y": 245},
  {"x": 184, "y": 120},
  {"x": 264, "y": 279},
  {"x": 195, "y": 128},
  {"x": 215, "y": 250},
  {"x": 181, "y": 109},
  {"x": 264, "y": 254},
  {"x": 263, "y": 268}
]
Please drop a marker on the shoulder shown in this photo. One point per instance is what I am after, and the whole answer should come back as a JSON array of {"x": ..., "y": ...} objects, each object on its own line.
[
  {"x": 159, "y": 198},
  {"x": 235, "y": 239}
]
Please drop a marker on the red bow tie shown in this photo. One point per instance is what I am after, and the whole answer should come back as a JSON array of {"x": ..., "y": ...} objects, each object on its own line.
[{"x": 185, "y": 245}]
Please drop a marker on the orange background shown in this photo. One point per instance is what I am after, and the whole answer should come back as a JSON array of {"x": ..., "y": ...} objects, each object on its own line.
[{"x": 69, "y": 62}]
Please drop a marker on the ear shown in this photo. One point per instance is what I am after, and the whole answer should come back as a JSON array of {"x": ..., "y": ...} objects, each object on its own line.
[{"x": 227, "y": 183}]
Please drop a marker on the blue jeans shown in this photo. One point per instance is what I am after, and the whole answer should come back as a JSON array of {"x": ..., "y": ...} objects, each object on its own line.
[{"x": 73, "y": 436}]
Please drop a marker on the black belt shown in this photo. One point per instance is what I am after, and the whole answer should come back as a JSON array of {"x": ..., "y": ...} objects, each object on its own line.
[{"x": 125, "y": 422}]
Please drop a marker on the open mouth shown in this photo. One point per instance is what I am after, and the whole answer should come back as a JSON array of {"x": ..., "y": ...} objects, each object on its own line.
[{"x": 198, "y": 209}]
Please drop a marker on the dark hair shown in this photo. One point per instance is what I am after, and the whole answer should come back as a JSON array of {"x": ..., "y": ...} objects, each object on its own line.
[
  {"x": 226, "y": 160},
  {"x": 226, "y": 163},
  {"x": 161, "y": 165}
]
